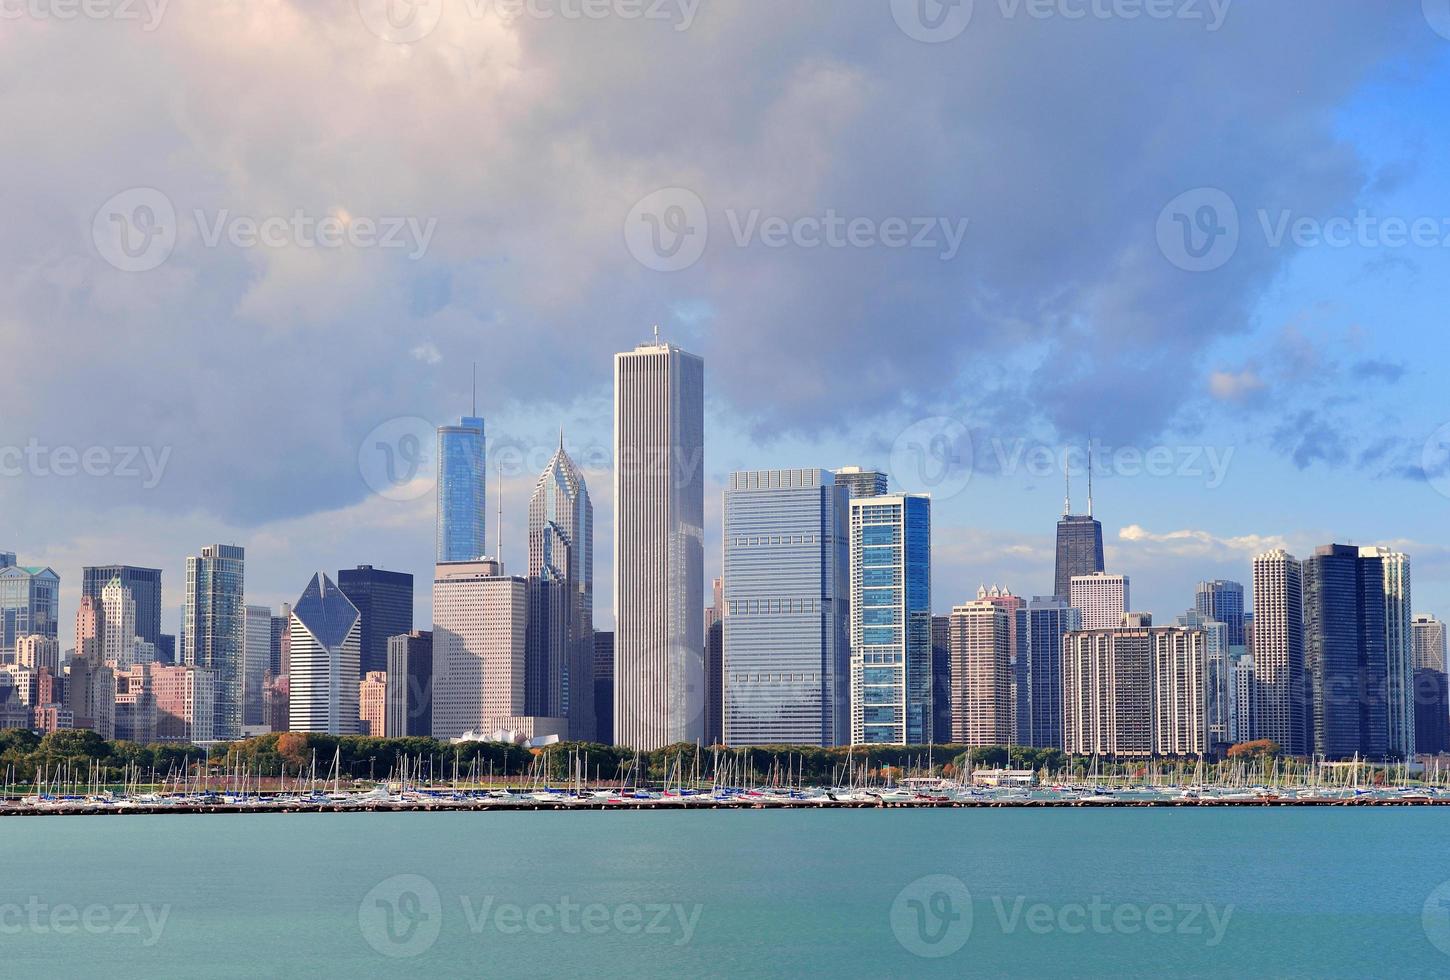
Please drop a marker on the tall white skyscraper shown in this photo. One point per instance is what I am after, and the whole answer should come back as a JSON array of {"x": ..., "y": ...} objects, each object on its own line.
[
  {"x": 659, "y": 551},
  {"x": 1428, "y": 634},
  {"x": 326, "y": 648},
  {"x": 1399, "y": 649},
  {"x": 213, "y": 629},
  {"x": 1102, "y": 598},
  {"x": 480, "y": 631},
  {"x": 1283, "y": 699},
  {"x": 119, "y": 643}
]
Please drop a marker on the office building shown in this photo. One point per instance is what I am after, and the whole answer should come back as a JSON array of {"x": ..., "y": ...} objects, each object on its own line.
[
  {"x": 1222, "y": 601},
  {"x": 409, "y": 708},
  {"x": 659, "y": 512},
  {"x": 1016, "y": 637},
  {"x": 29, "y": 605},
  {"x": 786, "y": 631},
  {"x": 1216, "y": 679},
  {"x": 7, "y": 559},
  {"x": 256, "y": 660},
  {"x": 560, "y": 674},
  {"x": 461, "y": 530},
  {"x": 372, "y": 700},
  {"x": 135, "y": 713},
  {"x": 120, "y": 646},
  {"x": 890, "y": 609},
  {"x": 384, "y": 602},
  {"x": 1079, "y": 541},
  {"x": 604, "y": 687},
  {"x": 1102, "y": 599},
  {"x": 326, "y": 644},
  {"x": 1428, "y": 636},
  {"x": 185, "y": 701},
  {"x": 214, "y": 628},
  {"x": 166, "y": 649},
  {"x": 1241, "y": 698},
  {"x": 941, "y": 680},
  {"x": 1281, "y": 686},
  {"x": 981, "y": 674},
  {"x": 1047, "y": 620},
  {"x": 1399, "y": 650},
  {"x": 861, "y": 482},
  {"x": 281, "y": 639},
  {"x": 1432, "y": 711},
  {"x": 36, "y": 652},
  {"x": 144, "y": 587},
  {"x": 480, "y": 623},
  {"x": 1345, "y": 654}
]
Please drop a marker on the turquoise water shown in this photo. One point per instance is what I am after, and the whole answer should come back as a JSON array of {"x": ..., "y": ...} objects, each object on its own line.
[{"x": 1133, "y": 892}]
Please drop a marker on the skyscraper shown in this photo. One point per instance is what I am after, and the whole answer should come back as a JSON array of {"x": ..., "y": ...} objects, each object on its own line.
[
  {"x": 941, "y": 680},
  {"x": 409, "y": 709},
  {"x": 560, "y": 674},
  {"x": 1016, "y": 637},
  {"x": 384, "y": 602},
  {"x": 461, "y": 530},
  {"x": 659, "y": 559},
  {"x": 325, "y": 647},
  {"x": 1107, "y": 692},
  {"x": 604, "y": 686},
  {"x": 1399, "y": 650},
  {"x": 786, "y": 632},
  {"x": 1223, "y": 602},
  {"x": 981, "y": 674},
  {"x": 891, "y": 684},
  {"x": 144, "y": 586},
  {"x": 214, "y": 625},
  {"x": 1218, "y": 654},
  {"x": 29, "y": 605},
  {"x": 7, "y": 559},
  {"x": 861, "y": 482},
  {"x": 480, "y": 623},
  {"x": 1429, "y": 642},
  {"x": 1345, "y": 653},
  {"x": 257, "y": 644},
  {"x": 1280, "y": 684},
  {"x": 1079, "y": 541},
  {"x": 1048, "y": 620},
  {"x": 1102, "y": 598}
]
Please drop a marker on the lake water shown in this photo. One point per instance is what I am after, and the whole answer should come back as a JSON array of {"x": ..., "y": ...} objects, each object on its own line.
[{"x": 1110, "y": 892}]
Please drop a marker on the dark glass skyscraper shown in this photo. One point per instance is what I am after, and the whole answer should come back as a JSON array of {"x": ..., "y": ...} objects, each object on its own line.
[
  {"x": 1223, "y": 602},
  {"x": 384, "y": 600},
  {"x": 144, "y": 584},
  {"x": 604, "y": 687},
  {"x": 461, "y": 531},
  {"x": 409, "y": 708},
  {"x": 1345, "y": 653},
  {"x": 1079, "y": 551},
  {"x": 1048, "y": 619}
]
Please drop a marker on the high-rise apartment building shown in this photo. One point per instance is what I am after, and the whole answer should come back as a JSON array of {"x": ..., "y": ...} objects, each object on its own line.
[
  {"x": 461, "y": 529},
  {"x": 981, "y": 674},
  {"x": 1017, "y": 637},
  {"x": 1242, "y": 699},
  {"x": 559, "y": 680},
  {"x": 384, "y": 602},
  {"x": 1182, "y": 725},
  {"x": 1399, "y": 650},
  {"x": 214, "y": 627},
  {"x": 1345, "y": 653},
  {"x": 372, "y": 701},
  {"x": 1222, "y": 601},
  {"x": 409, "y": 708},
  {"x": 786, "y": 631},
  {"x": 891, "y": 683},
  {"x": 480, "y": 624},
  {"x": 861, "y": 482},
  {"x": 1284, "y": 700},
  {"x": 1102, "y": 599},
  {"x": 326, "y": 644},
  {"x": 659, "y": 558},
  {"x": 1428, "y": 636},
  {"x": 185, "y": 699},
  {"x": 1048, "y": 619}
]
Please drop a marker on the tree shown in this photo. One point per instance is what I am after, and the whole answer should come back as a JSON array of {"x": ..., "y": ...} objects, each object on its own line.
[{"x": 1264, "y": 748}]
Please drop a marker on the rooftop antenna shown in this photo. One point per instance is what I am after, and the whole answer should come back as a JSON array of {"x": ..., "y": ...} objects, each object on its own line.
[
  {"x": 498, "y": 531},
  {"x": 1090, "y": 476},
  {"x": 1067, "y": 485},
  {"x": 657, "y": 334}
]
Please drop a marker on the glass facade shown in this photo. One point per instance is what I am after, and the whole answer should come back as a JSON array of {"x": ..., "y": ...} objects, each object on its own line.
[
  {"x": 891, "y": 629},
  {"x": 384, "y": 601},
  {"x": 1047, "y": 620},
  {"x": 144, "y": 585},
  {"x": 461, "y": 530},
  {"x": 1345, "y": 653},
  {"x": 1079, "y": 551},
  {"x": 29, "y": 605},
  {"x": 1223, "y": 602},
  {"x": 214, "y": 629},
  {"x": 784, "y": 631}
]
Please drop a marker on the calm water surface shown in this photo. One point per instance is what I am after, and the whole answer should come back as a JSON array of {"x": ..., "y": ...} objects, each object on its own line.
[{"x": 1140, "y": 892}]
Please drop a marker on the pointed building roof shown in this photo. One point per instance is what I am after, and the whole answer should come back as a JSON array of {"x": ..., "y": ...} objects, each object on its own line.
[{"x": 325, "y": 612}]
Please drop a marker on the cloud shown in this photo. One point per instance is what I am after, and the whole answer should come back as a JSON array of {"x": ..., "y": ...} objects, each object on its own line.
[
  {"x": 1198, "y": 544},
  {"x": 1231, "y": 386}
]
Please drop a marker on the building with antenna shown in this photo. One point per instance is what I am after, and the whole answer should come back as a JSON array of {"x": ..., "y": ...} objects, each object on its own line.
[
  {"x": 1079, "y": 538},
  {"x": 461, "y": 531}
]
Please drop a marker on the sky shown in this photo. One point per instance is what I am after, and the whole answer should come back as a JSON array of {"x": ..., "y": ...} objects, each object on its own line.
[{"x": 252, "y": 250}]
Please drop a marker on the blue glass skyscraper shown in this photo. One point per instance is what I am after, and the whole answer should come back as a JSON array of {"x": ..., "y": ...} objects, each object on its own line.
[
  {"x": 461, "y": 531},
  {"x": 1047, "y": 620},
  {"x": 891, "y": 696},
  {"x": 1223, "y": 602},
  {"x": 29, "y": 605},
  {"x": 785, "y": 632}
]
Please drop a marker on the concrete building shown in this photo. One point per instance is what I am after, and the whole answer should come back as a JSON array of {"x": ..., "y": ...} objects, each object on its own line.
[
  {"x": 1102, "y": 599},
  {"x": 409, "y": 708},
  {"x": 1428, "y": 635},
  {"x": 325, "y": 646},
  {"x": 1284, "y": 699},
  {"x": 185, "y": 702},
  {"x": 135, "y": 716},
  {"x": 372, "y": 701},
  {"x": 1242, "y": 698},
  {"x": 860, "y": 482},
  {"x": 480, "y": 627},
  {"x": 981, "y": 674},
  {"x": 1107, "y": 692},
  {"x": 36, "y": 652}
]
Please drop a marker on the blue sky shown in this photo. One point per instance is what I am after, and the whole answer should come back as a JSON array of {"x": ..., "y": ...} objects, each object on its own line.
[{"x": 519, "y": 162}]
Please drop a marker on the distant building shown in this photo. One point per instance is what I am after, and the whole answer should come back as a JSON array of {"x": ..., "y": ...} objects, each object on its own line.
[
  {"x": 462, "y": 503},
  {"x": 1048, "y": 619},
  {"x": 384, "y": 602},
  {"x": 1284, "y": 700},
  {"x": 277, "y": 703},
  {"x": 90, "y": 695},
  {"x": 861, "y": 483},
  {"x": 166, "y": 649},
  {"x": 256, "y": 659},
  {"x": 136, "y": 716},
  {"x": 1399, "y": 650},
  {"x": 325, "y": 647},
  {"x": 891, "y": 683},
  {"x": 29, "y": 605},
  {"x": 185, "y": 702},
  {"x": 1432, "y": 711},
  {"x": 715, "y": 683},
  {"x": 941, "y": 680},
  {"x": 1103, "y": 599},
  {"x": 372, "y": 700},
  {"x": 409, "y": 708},
  {"x": 1242, "y": 698},
  {"x": 1216, "y": 679},
  {"x": 214, "y": 627},
  {"x": 143, "y": 585},
  {"x": 786, "y": 631},
  {"x": 1222, "y": 601},
  {"x": 7, "y": 559},
  {"x": 1016, "y": 638},
  {"x": 1345, "y": 653},
  {"x": 37, "y": 652},
  {"x": 277, "y": 654},
  {"x": 480, "y": 622},
  {"x": 1429, "y": 643},
  {"x": 604, "y": 686},
  {"x": 981, "y": 674},
  {"x": 1181, "y": 698}
]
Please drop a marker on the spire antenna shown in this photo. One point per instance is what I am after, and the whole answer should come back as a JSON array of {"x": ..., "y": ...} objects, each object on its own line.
[
  {"x": 657, "y": 334},
  {"x": 1067, "y": 484},
  {"x": 498, "y": 531},
  {"x": 1090, "y": 476}
]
